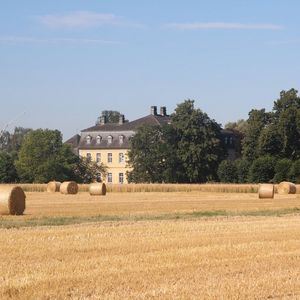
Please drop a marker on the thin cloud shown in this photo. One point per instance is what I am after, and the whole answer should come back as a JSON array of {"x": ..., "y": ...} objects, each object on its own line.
[
  {"x": 82, "y": 19},
  {"x": 27, "y": 40},
  {"x": 223, "y": 26}
]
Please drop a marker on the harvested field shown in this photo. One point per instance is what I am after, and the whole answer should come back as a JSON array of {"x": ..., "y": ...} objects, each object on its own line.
[
  {"x": 193, "y": 245},
  {"x": 235, "y": 258},
  {"x": 82, "y": 204}
]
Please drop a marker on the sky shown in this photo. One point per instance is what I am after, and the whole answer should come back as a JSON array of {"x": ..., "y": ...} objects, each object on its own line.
[{"x": 62, "y": 62}]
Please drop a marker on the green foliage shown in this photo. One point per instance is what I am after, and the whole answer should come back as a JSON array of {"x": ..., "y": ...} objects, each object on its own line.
[
  {"x": 43, "y": 157},
  {"x": 8, "y": 172},
  {"x": 282, "y": 170},
  {"x": 152, "y": 156},
  {"x": 199, "y": 147},
  {"x": 256, "y": 122},
  {"x": 227, "y": 172},
  {"x": 262, "y": 170},
  {"x": 112, "y": 116},
  {"x": 243, "y": 168},
  {"x": 270, "y": 141},
  {"x": 240, "y": 126},
  {"x": 187, "y": 150},
  {"x": 294, "y": 174}
]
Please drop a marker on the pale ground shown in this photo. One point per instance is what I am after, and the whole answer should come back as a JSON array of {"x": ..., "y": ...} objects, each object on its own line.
[
  {"x": 205, "y": 258},
  {"x": 225, "y": 258},
  {"x": 82, "y": 204}
]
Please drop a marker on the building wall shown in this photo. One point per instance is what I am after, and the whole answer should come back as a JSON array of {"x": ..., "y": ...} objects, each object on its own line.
[{"x": 115, "y": 168}]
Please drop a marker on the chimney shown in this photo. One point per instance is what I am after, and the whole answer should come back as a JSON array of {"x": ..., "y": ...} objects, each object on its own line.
[
  {"x": 103, "y": 120},
  {"x": 154, "y": 110},
  {"x": 121, "y": 119},
  {"x": 163, "y": 111}
]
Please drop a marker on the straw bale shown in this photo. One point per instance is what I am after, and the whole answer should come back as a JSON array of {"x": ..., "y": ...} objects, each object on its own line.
[
  {"x": 266, "y": 191},
  {"x": 69, "y": 188},
  {"x": 97, "y": 189},
  {"x": 53, "y": 186},
  {"x": 12, "y": 200},
  {"x": 286, "y": 188}
]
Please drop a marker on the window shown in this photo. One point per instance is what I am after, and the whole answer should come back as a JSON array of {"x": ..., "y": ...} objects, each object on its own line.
[
  {"x": 88, "y": 156},
  {"x": 88, "y": 139},
  {"x": 109, "y": 177},
  {"x": 121, "y": 178},
  {"x": 98, "y": 157},
  {"x": 121, "y": 157},
  {"x": 121, "y": 139},
  {"x": 99, "y": 139},
  {"x": 226, "y": 140},
  {"x": 109, "y": 157},
  {"x": 109, "y": 139},
  {"x": 231, "y": 141}
]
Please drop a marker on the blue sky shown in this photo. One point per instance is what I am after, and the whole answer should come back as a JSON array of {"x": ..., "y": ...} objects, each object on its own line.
[{"x": 63, "y": 62}]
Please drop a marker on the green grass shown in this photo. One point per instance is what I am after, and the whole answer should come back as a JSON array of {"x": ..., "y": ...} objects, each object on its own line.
[{"x": 17, "y": 222}]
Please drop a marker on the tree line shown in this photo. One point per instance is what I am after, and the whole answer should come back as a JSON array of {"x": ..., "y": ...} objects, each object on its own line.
[
  {"x": 40, "y": 156},
  {"x": 190, "y": 149}
]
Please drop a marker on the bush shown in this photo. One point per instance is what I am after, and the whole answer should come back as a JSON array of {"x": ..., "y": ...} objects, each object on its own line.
[
  {"x": 262, "y": 169},
  {"x": 282, "y": 170},
  {"x": 227, "y": 171}
]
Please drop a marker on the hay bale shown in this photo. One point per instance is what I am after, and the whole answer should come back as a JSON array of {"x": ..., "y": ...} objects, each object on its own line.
[
  {"x": 12, "y": 200},
  {"x": 266, "y": 191},
  {"x": 69, "y": 188},
  {"x": 53, "y": 186},
  {"x": 97, "y": 189},
  {"x": 285, "y": 188}
]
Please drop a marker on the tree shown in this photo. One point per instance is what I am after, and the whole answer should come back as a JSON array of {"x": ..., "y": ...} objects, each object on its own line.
[
  {"x": 270, "y": 141},
  {"x": 11, "y": 142},
  {"x": 257, "y": 120},
  {"x": 227, "y": 172},
  {"x": 262, "y": 169},
  {"x": 8, "y": 172},
  {"x": 240, "y": 126},
  {"x": 243, "y": 167},
  {"x": 294, "y": 174},
  {"x": 112, "y": 116},
  {"x": 43, "y": 157},
  {"x": 151, "y": 156},
  {"x": 199, "y": 147},
  {"x": 282, "y": 170}
]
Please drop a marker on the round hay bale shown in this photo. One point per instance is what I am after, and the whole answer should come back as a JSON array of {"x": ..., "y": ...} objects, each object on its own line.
[
  {"x": 266, "y": 191},
  {"x": 69, "y": 188},
  {"x": 53, "y": 186},
  {"x": 97, "y": 189},
  {"x": 12, "y": 200},
  {"x": 286, "y": 188}
]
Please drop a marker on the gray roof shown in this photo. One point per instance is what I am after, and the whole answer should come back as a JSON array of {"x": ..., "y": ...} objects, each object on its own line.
[
  {"x": 115, "y": 130},
  {"x": 148, "y": 120}
]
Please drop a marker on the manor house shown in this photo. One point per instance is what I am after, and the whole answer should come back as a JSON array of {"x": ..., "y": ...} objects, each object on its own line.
[{"x": 109, "y": 143}]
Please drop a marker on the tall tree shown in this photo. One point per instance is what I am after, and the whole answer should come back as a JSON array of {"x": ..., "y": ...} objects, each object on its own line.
[
  {"x": 152, "y": 156},
  {"x": 200, "y": 147},
  {"x": 8, "y": 172},
  {"x": 43, "y": 157},
  {"x": 257, "y": 120}
]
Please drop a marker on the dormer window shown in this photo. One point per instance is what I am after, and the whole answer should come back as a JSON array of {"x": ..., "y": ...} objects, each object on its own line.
[
  {"x": 88, "y": 139},
  {"x": 121, "y": 139},
  {"x": 99, "y": 138},
  {"x": 109, "y": 139}
]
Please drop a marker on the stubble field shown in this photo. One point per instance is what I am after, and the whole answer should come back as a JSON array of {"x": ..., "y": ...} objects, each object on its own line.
[{"x": 152, "y": 245}]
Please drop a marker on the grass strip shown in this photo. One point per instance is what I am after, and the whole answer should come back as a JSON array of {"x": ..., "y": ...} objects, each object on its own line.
[{"x": 61, "y": 221}]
